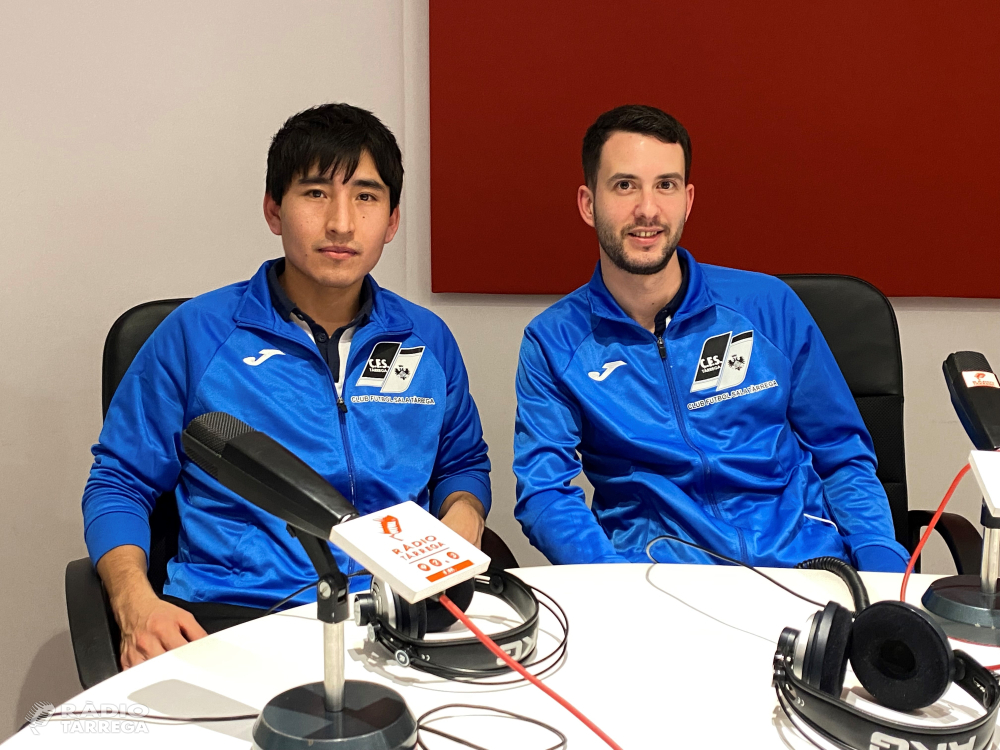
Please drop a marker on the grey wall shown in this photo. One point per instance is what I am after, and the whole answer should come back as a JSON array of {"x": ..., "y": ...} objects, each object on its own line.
[
  {"x": 132, "y": 145},
  {"x": 133, "y": 138}
]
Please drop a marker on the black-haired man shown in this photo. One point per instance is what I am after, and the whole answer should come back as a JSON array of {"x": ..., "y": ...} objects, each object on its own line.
[
  {"x": 703, "y": 401},
  {"x": 366, "y": 387}
]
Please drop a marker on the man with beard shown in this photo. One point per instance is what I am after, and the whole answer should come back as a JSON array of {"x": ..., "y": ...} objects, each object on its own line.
[{"x": 701, "y": 402}]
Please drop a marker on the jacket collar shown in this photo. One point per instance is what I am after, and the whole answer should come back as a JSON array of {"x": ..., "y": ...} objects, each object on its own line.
[
  {"x": 286, "y": 308},
  {"x": 697, "y": 298},
  {"x": 257, "y": 308}
]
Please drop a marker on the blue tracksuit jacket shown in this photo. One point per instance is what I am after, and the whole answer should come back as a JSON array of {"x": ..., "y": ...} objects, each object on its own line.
[
  {"x": 408, "y": 435},
  {"x": 736, "y": 431}
]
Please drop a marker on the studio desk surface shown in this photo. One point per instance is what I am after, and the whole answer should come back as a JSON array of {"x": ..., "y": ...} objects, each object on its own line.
[{"x": 659, "y": 656}]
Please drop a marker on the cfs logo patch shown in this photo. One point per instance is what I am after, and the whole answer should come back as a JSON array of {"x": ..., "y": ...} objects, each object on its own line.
[
  {"x": 377, "y": 366},
  {"x": 724, "y": 361},
  {"x": 390, "y": 367}
]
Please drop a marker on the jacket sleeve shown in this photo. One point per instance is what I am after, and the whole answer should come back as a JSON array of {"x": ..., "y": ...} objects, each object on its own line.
[
  {"x": 552, "y": 512},
  {"x": 137, "y": 457},
  {"x": 826, "y": 420},
  {"x": 462, "y": 463}
]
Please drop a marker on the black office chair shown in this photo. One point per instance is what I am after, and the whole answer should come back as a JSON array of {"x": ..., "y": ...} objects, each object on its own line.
[
  {"x": 860, "y": 326},
  {"x": 94, "y": 632}
]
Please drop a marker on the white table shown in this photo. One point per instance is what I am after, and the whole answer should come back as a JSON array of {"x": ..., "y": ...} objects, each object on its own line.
[{"x": 659, "y": 656}]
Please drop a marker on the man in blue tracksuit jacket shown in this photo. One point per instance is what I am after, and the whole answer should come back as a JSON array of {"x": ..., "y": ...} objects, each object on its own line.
[
  {"x": 367, "y": 388},
  {"x": 701, "y": 402}
]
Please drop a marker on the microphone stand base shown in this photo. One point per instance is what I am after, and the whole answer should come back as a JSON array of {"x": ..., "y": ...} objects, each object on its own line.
[
  {"x": 963, "y": 610},
  {"x": 374, "y": 716}
]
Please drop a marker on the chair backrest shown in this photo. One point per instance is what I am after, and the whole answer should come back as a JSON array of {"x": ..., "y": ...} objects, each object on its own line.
[
  {"x": 860, "y": 326},
  {"x": 124, "y": 340}
]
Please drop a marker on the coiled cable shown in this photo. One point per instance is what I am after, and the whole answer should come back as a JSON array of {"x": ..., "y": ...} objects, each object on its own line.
[{"x": 846, "y": 573}]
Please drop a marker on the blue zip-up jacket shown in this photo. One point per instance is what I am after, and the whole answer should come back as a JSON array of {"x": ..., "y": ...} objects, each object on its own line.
[
  {"x": 409, "y": 431},
  {"x": 735, "y": 430}
]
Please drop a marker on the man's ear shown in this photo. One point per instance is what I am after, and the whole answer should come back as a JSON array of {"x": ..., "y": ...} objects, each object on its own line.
[
  {"x": 689, "y": 189},
  {"x": 585, "y": 202},
  {"x": 272, "y": 214},
  {"x": 390, "y": 231}
]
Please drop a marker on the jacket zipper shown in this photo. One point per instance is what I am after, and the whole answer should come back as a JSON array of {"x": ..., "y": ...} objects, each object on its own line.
[
  {"x": 342, "y": 406},
  {"x": 341, "y": 403},
  {"x": 706, "y": 468},
  {"x": 342, "y": 416}
]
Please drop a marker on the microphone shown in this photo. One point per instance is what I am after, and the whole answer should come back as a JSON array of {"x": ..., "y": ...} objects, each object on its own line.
[
  {"x": 975, "y": 394},
  {"x": 265, "y": 473}
]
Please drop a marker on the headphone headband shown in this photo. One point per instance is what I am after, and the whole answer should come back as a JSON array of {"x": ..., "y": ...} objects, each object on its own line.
[
  {"x": 467, "y": 657},
  {"x": 845, "y": 725}
]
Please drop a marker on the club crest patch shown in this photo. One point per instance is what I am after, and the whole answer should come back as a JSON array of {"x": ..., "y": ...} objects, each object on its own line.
[
  {"x": 391, "y": 368},
  {"x": 724, "y": 361}
]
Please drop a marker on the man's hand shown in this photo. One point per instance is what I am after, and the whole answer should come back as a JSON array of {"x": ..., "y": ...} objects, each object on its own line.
[
  {"x": 464, "y": 514},
  {"x": 149, "y": 625}
]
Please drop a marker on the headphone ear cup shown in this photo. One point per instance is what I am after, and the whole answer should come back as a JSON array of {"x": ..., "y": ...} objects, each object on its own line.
[
  {"x": 438, "y": 618},
  {"x": 825, "y": 662},
  {"x": 901, "y": 656},
  {"x": 411, "y": 619}
]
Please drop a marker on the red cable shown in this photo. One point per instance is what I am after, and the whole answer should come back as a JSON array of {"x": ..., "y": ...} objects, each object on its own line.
[
  {"x": 501, "y": 654},
  {"x": 991, "y": 668},
  {"x": 930, "y": 528},
  {"x": 923, "y": 540}
]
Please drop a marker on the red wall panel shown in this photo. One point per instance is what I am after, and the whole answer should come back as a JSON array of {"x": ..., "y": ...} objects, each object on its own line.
[{"x": 832, "y": 137}]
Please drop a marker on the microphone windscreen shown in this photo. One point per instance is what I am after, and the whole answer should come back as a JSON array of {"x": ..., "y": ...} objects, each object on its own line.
[
  {"x": 215, "y": 429},
  {"x": 265, "y": 473},
  {"x": 975, "y": 394},
  {"x": 971, "y": 361}
]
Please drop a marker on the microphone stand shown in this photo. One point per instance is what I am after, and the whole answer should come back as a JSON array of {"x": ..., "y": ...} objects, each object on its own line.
[
  {"x": 336, "y": 713},
  {"x": 967, "y": 606}
]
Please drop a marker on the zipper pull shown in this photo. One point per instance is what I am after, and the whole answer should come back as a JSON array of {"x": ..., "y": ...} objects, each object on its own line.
[
  {"x": 341, "y": 404},
  {"x": 661, "y": 347}
]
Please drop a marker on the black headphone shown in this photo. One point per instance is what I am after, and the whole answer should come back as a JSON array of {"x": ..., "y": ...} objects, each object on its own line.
[
  {"x": 401, "y": 627},
  {"x": 900, "y": 656}
]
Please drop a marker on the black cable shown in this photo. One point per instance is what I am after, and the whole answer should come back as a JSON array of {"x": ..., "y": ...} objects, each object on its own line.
[
  {"x": 556, "y": 655},
  {"x": 421, "y": 725},
  {"x": 560, "y": 650},
  {"x": 246, "y": 717},
  {"x": 475, "y": 676},
  {"x": 846, "y": 573},
  {"x": 453, "y": 738},
  {"x": 194, "y": 719},
  {"x": 144, "y": 717},
  {"x": 467, "y": 676},
  {"x": 308, "y": 586},
  {"x": 291, "y": 596},
  {"x": 728, "y": 560}
]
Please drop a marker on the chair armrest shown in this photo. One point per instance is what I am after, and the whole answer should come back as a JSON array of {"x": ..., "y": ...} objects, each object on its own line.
[
  {"x": 961, "y": 536},
  {"x": 92, "y": 628}
]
